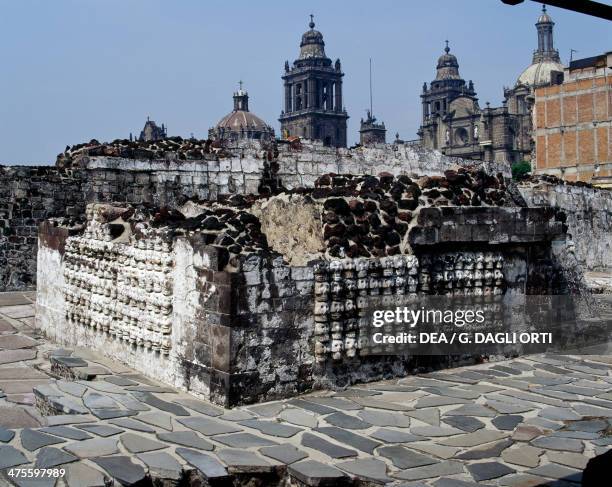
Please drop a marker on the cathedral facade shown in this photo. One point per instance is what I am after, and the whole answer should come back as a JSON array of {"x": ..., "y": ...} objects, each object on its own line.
[
  {"x": 313, "y": 94},
  {"x": 454, "y": 123}
]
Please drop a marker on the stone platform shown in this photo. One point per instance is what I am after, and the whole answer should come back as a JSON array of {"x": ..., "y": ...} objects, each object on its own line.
[{"x": 524, "y": 422}]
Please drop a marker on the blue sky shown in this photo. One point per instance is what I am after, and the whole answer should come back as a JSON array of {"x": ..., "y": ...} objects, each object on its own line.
[{"x": 73, "y": 70}]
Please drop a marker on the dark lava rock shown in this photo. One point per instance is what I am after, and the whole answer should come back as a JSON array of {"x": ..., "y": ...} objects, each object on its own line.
[
  {"x": 597, "y": 468},
  {"x": 338, "y": 205}
]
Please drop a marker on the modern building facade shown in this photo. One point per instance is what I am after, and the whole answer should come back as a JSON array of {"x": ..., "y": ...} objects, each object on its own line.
[
  {"x": 313, "y": 94},
  {"x": 573, "y": 123}
]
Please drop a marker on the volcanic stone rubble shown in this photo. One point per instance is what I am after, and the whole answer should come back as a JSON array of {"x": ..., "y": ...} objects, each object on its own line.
[{"x": 534, "y": 420}]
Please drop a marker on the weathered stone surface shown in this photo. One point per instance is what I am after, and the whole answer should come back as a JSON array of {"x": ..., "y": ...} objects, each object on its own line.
[
  {"x": 472, "y": 410},
  {"x": 489, "y": 450},
  {"x": 404, "y": 458},
  {"x": 160, "y": 420},
  {"x": 101, "y": 429},
  {"x": 161, "y": 465},
  {"x": 92, "y": 448},
  {"x": 16, "y": 417},
  {"x": 309, "y": 406},
  {"x": 384, "y": 418},
  {"x": 208, "y": 426},
  {"x": 573, "y": 460},
  {"x": 559, "y": 414},
  {"x": 465, "y": 423},
  {"x": 236, "y": 415},
  {"x": 342, "y": 420},
  {"x": 284, "y": 453},
  {"x": 131, "y": 424},
  {"x": 121, "y": 468},
  {"x": 186, "y": 438},
  {"x": 347, "y": 437},
  {"x": 436, "y": 401},
  {"x": 299, "y": 417},
  {"x": 11, "y": 457},
  {"x": 524, "y": 455},
  {"x": 243, "y": 440},
  {"x": 243, "y": 461},
  {"x": 387, "y": 403},
  {"x": 12, "y": 356},
  {"x": 393, "y": 436},
  {"x": 369, "y": 469},
  {"x": 72, "y": 388},
  {"x": 271, "y": 428},
  {"x": 448, "y": 467},
  {"x": 564, "y": 444},
  {"x": 489, "y": 470},
  {"x": 66, "y": 432},
  {"x": 588, "y": 410},
  {"x": 81, "y": 475},
  {"x": 447, "y": 482},
  {"x": 316, "y": 474},
  {"x": 14, "y": 342},
  {"x": 93, "y": 400},
  {"x": 507, "y": 422},
  {"x": 326, "y": 447},
  {"x": 590, "y": 425},
  {"x": 169, "y": 407},
  {"x": 140, "y": 444},
  {"x": 430, "y": 416},
  {"x": 472, "y": 439},
  {"x": 6, "y": 435},
  {"x": 72, "y": 419},
  {"x": 33, "y": 440},
  {"x": 555, "y": 471},
  {"x": 120, "y": 381},
  {"x": 334, "y": 402},
  {"x": 435, "y": 431},
  {"x": 440, "y": 451},
  {"x": 49, "y": 457},
  {"x": 274, "y": 408},
  {"x": 207, "y": 465}
]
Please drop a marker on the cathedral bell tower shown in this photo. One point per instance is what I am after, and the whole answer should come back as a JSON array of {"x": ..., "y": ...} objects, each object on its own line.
[{"x": 313, "y": 94}]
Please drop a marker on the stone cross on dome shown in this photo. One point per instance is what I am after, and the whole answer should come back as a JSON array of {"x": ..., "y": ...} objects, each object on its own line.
[{"x": 311, "y": 24}]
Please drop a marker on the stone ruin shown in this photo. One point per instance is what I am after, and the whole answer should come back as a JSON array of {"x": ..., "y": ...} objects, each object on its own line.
[{"x": 258, "y": 297}]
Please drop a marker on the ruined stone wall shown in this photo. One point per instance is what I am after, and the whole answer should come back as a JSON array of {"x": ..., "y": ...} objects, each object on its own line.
[{"x": 589, "y": 218}]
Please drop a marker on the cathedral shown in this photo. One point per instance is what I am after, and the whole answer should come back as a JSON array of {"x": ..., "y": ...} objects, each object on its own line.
[
  {"x": 454, "y": 123},
  {"x": 313, "y": 94}
]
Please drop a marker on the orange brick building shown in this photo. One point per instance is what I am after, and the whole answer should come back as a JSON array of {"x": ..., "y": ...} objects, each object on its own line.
[{"x": 573, "y": 123}]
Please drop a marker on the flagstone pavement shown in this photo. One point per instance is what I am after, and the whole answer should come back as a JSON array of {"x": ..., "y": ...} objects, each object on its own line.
[{"x": 530, "y": 421}]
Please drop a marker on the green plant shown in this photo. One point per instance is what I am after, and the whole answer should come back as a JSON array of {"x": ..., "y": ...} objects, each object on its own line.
[{"x": 521, "y": 169}]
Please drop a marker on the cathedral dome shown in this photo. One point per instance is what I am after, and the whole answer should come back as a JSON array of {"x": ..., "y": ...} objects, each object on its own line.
[
  {"x": 448, "y": 66},
  {"x": 241, "y": 123},
  {"x": 539, "y": 74}
]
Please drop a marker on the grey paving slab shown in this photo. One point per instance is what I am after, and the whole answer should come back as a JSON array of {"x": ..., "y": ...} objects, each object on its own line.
[
  {"x": 71, "y": 387},
  {"x": 489, "y": 470},
  {"x": 343, "y": 420},
  {"x": 448, "y": 467},
  {"x": 121, "y": 468},
  {"x": 435, "y": 431},
  {"x": 564, "y": 444},
  {"x": 244, "y": 461},
  {"x": 559, "y": 414},
  {"x": 573, "y": 460},
  {"x": 139, "y": 444},
  {"x": 101, "y": 429},
  {"x": 284, "y": 453},
  {"x": 453, "y": 392},
  {"x": 588, "y": 410},
  {"x": 387, "y": 435},
  {"x": 554, "y": 471},
  {"x": 572, "y": 389},
  {"x": 6, "y": 435},
  {"x": 33, "y": 440},
  {"x": 243, "y": 440},
  {"x": 160, "y": 420},
  {"x": 544, "y": 423},
  {"x": 472, "y": 439},
  {"x": 404, "y": 458},
  {"x": 186, "y": 438},
  {"x": 349, "y": 438},
  {"x": 578, "y": 435},
  {"x": 153, "y": 400},
  {"x": 94, "y": 400},
  {"x": 236, "y": 415},
  {"x": 464, "y": 423},
  {"x": 14, "y": 342},
  {"x": 309, "y": 406},
  {"x": 13, "y": 356},
  {"x": 384, "y": 418},
  {"x": 66, "y": 432},
  {"x": 508, "y": 369},
  {"x": 272, "y": 428},
  {"x": 430, "y": 416},
  {"x": 342, "y": 404},
  {"x": 315, "y": 474},
  {"x": 161, "y": 465},
  {"x": 93, "y": 448},
  {"x": 299, "y": 417},
  {"x": 131, "y": 424},
  {"x": 272, "y": 409},
  {"x": 71, "y": 419},
  {"x": 120, "y": 381},
  {"x": 102, "y": 386},
  {"x": 537, "y": 398},
  {"x": 20, "y": 373},
  {"x": 472, "y": 410},
  {"x": 82, "y": 475},
  {"x": 509, "y": 408},
  {"x": 328, "y": 448},
  {"x": 208, "y": 426},
  {"x": 524, "y": 455},
  {"x": 67, "y": 361},
  {"x": 436, "y": 401},
  {"x": 368, "y": 469},
  {"x": 11, "y": 457},
  {"x": 440, "y": 451},
  {"x": 589, "y": 425},
  {"x": 110, "y": 413},
  {"x": 129, "y": 402},
  {"x": 489, "y": 450},
  {"x": 526, "y": 480},
  {"x": 387, "y": 402},
  {"x": 206, "y": 464},
  {"x": 507, "y": 422},
  {"x": 448, "y": 482},
  {"x": 49, "y": 457},
  {"x": 356, "y": 392}
]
